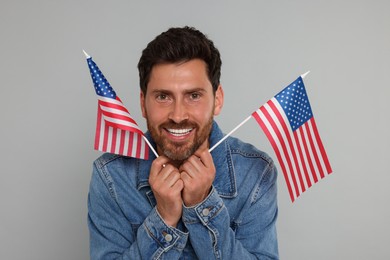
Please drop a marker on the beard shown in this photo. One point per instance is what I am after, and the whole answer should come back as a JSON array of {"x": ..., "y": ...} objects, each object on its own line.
[{"x": 180, "y": 151}]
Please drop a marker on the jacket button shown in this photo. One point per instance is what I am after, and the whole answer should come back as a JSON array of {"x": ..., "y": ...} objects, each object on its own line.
[
  {"x": 205, "y": 212},
  {"x": 168, "y": 237}
]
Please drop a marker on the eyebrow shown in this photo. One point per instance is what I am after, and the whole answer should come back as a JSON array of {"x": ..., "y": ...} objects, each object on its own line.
[{"x": 162, "y": 90}]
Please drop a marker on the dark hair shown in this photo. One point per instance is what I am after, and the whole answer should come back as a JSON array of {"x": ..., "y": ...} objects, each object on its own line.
[{"x": 180, "y": 45}]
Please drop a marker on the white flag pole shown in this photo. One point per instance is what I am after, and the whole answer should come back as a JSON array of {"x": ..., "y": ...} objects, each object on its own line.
[
  {"x": 86, "y": 55},
  {"x": 231, "y": 132},
  {"x": 150, "y": 145},
  {"x": 304, "y": 75},
  {"x": 243, "y": 122}
]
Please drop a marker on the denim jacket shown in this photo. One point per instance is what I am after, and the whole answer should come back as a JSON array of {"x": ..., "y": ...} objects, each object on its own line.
[{"x": 236, "y": 221}]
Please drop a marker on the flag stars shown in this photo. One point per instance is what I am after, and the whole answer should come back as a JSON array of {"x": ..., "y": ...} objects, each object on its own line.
[
  {"x": 294, "y": 102},
  {"x": 102, "y": 87}
]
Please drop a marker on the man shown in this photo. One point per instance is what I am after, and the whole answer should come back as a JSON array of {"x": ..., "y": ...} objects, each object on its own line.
[{"x": 188, "y": 203}]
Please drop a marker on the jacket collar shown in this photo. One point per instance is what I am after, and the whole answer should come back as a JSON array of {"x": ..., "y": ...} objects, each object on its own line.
[{"x": 225, "y": 179}]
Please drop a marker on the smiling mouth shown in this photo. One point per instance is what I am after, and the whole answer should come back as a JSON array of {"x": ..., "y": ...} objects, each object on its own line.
[{"x": 179, "y": 132}]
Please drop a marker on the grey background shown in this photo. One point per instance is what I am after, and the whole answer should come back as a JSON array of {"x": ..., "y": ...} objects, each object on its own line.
[{"x": 48, "y": 109}]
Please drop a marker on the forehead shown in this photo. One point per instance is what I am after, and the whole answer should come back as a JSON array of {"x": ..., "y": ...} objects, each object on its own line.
[{"x": 191, "y": 73}]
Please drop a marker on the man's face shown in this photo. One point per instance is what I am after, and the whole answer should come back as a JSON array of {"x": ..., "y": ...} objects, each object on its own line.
[{"x": 179, "y": 106}]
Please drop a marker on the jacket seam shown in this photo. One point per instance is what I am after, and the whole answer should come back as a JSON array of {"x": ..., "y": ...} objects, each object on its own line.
[
  {"x": 266, "y": 174},
  {"x": 252, "y": 154},
  {"x": 105, "y": 175}
]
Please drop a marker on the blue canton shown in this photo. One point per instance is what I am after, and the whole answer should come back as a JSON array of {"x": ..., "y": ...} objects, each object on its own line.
[
  {"x": 295, "y": 103},
  {"x": 102, "y": 87}
]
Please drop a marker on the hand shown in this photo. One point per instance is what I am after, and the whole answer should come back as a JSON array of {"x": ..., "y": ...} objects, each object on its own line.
[
  {"x": 164, "y": 179},
  {"x": 197, "y": 173}
]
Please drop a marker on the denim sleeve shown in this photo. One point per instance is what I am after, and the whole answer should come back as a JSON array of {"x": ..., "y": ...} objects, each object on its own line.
[
  {"x": 253, "y": 238},
  {"x": 112, "y": 236}
]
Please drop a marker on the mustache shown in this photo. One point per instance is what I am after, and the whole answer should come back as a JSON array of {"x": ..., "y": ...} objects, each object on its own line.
[{"x": 184, "y": 124}]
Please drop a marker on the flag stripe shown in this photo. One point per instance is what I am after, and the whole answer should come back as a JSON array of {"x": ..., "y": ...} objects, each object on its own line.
[
  {"x": 132, "y": 144},
  {"x": 113, "y": 139},
  {"x": 308, "y": 156},
  {"x": 311, "y": 152},
  {"x": 288, "y": 122},
  {"x": 300, "y": 153},
  {"x": 321, "y": 147},
  {"x": 285, "y": 148},
  {"x": 138, "y": 146},
  {"x": 113, "y": 102},
  {"x": 120, "y": 121},
  {"x": 284, "y": 151},
  {"x": 302, "y": 163},
  {"x": 106, "y": 135},
  {"x": 119, "y": 111},
  {"x": 298, "y": 140},
  {"x": 98, "y": 127},
  {"x": 291, "y": 141},
  {"x": 116, "y": 141},
  {"x": 116, "y": 130},
  {"x": 314, "y": 151},
  {"x": 121, "y": 124},
  {"x": 122, "y": 143},
  {"x": 114, "y": 113},
  {"x": 102, "y": 134},
  {"x": 263, "y": 124}
]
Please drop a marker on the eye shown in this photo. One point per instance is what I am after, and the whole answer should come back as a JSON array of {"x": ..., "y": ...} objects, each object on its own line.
[
  {"x": 195, "y": 96},
  {"x": 161, "y": 97}
]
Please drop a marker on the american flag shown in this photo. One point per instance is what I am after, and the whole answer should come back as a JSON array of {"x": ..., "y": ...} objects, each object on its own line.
[
  {"x": 116, "y": 130},
  {"x": 288, "y": 122}
]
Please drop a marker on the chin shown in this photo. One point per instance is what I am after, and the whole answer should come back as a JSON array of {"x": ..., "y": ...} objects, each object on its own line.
[{"x": 179, "y": 155}]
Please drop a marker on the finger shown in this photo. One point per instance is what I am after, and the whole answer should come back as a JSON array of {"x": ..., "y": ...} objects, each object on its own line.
[
  {"x": 185, "y": 177},
  {"x": 204, "y": 157},
  {"x": 172, "y": 178},
  {"x": 159, "y": 163},
  {"x": 196, "y": 165},
  {"x": 179, "y": 184},
  {"x": 189, "y": 167},
  {"x": 167, "y": 172}
]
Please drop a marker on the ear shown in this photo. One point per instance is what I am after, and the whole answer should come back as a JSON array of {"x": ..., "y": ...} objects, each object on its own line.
[
  {"x": 142, "y": 102},
  {"x": 218, "y": 102}
]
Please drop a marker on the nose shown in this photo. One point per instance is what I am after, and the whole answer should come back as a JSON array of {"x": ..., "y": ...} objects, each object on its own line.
[{"x": 179, "y": 112}]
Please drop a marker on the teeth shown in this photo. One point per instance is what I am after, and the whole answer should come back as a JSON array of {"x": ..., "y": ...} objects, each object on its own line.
[{"x": 179, "y": 132}]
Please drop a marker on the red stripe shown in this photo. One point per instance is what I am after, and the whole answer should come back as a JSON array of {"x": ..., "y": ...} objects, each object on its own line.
[
  {"x": 115, "y": 128},
  {"x": 284, "y": 148},
  {"x": 114, "y": 115},
  {"x": 277, "y": 152},
  {"x": 314, "y": 150},
  {"x": 122, "y": 142},
  {"x": 120, "y": 117},
  {"x": 123, "y": 127},
  {"x": 146, "y": 152},
  {"x": 113, "y": 140},
  {"x": 139, "y": 144},
  {"x": 113, "y": 105},
  {"x": 105, "y": 139},
  {"x": 302, "y": 159},
  {"x": 118, "y": 99},
  {"x": 98, "y": 126},
  {"x": 307, "y": 154},
  {"x": 288, "y": 135},
  {"x": 321, "y": 147},
  {"x": 129, "y": 151}
]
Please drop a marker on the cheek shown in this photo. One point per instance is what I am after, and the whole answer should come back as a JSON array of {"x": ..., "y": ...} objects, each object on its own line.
[
  {"x": 203, "y": 114},
  {"x": 156, "y": 116}
]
